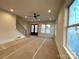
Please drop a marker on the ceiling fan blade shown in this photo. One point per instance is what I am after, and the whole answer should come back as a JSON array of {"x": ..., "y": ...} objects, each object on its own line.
[
  {"x": 34, "y": 14},
  {"x": 29, "y": 16}
]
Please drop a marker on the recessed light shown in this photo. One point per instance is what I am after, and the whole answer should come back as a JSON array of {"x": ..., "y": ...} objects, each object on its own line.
[
  {"x": 25, "y": 16},
  {"x": 49, "y": 11},
  {"x": 12, "y": 10}
]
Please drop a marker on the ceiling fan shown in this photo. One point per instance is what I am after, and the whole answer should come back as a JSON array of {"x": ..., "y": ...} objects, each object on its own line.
[{"x": 35, "y": 15}]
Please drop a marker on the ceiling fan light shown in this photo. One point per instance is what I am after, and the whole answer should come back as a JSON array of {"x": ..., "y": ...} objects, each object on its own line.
[{"x": 39, "y": 19}]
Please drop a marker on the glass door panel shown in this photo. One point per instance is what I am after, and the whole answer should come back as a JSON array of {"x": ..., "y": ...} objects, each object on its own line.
[
  {"x": 36, "y": 28},
  {"x": 32, "y": 28}
]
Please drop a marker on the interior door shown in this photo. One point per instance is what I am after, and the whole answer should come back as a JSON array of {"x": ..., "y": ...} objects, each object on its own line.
[{"x": 34, "y": 29}]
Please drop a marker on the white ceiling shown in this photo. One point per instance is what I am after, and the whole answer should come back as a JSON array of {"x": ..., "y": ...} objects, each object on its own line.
[{"x": 28, "y": 7}]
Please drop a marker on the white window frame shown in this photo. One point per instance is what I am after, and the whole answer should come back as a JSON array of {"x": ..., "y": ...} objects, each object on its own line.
[
  {"x": 45, "y": 28},
  {"x": 66, "y": 18}
]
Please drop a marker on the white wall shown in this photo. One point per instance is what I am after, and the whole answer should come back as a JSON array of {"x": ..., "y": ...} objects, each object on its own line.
[
  {"x": 60, "y": 34},
  {"x": 8, "y": 30}
]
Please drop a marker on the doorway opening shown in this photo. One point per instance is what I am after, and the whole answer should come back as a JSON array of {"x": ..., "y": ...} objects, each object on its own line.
[{"x": 34, "y": 29}]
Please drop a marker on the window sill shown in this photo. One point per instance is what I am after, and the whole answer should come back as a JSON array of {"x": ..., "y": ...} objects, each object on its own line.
[{"x": 69, "y": 53}]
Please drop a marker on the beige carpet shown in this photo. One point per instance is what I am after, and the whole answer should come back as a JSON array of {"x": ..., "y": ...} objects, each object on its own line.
[{"x": 30, "y": 48}]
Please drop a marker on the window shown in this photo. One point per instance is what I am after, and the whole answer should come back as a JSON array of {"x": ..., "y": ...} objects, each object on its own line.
[
  {"x": 45, "y": 28},
  {"x": 74, "y": 13},
  {"x": 72, "y": 42}
]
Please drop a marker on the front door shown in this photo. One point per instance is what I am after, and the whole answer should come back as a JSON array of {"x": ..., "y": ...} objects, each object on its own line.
[{"x": 34, "y": 29}]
